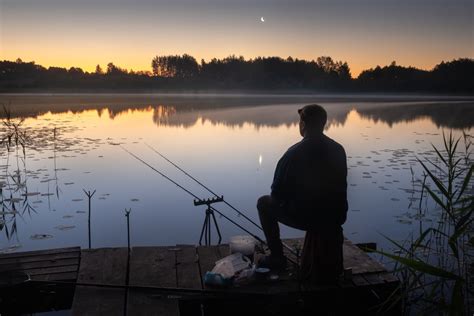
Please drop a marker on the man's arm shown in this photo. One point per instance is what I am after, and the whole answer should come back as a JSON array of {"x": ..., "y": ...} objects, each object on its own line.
[
  {"x": 279, "y": 188},
  {"x": 342, "y": 186}
]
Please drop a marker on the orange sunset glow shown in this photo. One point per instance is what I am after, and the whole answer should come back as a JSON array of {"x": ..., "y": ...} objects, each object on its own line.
[{"x": 66, "y": 34}]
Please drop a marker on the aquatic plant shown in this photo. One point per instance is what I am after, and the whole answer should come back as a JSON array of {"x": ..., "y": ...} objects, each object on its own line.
[
  {"x": 17, "y": 139},
  {"x": 14, "y": 138},
  {"x": 434, "y": 267}
]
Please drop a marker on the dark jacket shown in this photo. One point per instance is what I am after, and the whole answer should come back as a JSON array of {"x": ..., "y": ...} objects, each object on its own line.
[{"x": 310, "y": 180}]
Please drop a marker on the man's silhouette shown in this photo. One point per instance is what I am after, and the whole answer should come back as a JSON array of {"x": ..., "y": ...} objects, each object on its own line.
[{"x": 309, "y": 192}]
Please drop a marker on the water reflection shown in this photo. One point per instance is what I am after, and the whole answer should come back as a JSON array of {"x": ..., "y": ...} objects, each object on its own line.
[
  {"x": 237, "y": 110},
  {"x": 23, "y": 146},
  {"x": 449, "y": 115}
]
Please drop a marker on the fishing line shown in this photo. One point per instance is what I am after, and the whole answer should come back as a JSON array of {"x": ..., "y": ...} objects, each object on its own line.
[
  {"x": 205, "y": 187},
  {"x": 160, "y": 173},
  {"x": 196, "y": 197},
  {"x": 215, "y": 194}
]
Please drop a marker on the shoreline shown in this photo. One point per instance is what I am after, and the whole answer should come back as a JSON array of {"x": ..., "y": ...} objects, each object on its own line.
[{"x": 328, "y": 97}]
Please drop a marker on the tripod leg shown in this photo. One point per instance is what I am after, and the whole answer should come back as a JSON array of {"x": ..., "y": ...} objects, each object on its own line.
[
  {"x": 203, "y": 231},
  {"x": 206, "y": 232},
  {"x": 209, "y": 228},
  {"x": 217, "y": 228}
]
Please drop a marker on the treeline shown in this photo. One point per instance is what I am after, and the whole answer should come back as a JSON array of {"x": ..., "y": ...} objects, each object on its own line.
[
  {"x": 456, "y": 76},
  {"x": 236, "y": 73}
]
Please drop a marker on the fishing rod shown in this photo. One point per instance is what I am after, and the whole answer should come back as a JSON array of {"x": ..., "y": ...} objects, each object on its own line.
[
  {"x": 167, "y": 292},
  {"x": 215, "y": 194},
  {"x": 205, "y": 187},
  {"x": 197, "y": 198}
]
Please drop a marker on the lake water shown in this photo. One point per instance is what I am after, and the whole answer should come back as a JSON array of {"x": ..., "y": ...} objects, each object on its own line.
[{"x": 230, "y": 143}]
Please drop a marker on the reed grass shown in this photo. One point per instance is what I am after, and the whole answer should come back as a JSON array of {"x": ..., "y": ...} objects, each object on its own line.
[
  {"x": 14, "y": 138},
  {"x": 434, "y": 266}
]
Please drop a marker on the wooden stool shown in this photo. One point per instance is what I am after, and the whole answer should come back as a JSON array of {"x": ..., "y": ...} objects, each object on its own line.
[{"x": 322, "y": 258}]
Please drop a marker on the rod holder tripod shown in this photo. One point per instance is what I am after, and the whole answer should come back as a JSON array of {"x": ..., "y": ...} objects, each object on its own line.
[{"x": 206, "y": 227}]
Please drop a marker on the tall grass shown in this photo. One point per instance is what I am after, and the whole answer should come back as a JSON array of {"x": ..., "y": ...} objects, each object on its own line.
[
  {"x": 14, "y": 139},
  {"x": 434, "y": 267}
]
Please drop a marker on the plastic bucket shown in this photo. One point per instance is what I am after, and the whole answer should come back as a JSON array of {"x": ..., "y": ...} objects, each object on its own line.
[{"x": 242, "y": 244}]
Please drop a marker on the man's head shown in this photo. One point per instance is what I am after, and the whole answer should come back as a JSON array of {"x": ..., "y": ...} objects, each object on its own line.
[{"x": 313, "y": 118}]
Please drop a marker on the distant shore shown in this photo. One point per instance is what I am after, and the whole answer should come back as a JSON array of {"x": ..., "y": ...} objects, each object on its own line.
[
  {"x": 348, "y": 93},
  {"x": 230, "y": 94},
  {"x": 182, "y": 74}
]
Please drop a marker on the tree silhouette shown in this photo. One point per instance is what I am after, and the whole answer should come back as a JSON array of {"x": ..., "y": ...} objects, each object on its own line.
[
  {"x": 175, "y": 66},
  {"x": 98, "y": 70},
  {"x": 235, "y": 72}
]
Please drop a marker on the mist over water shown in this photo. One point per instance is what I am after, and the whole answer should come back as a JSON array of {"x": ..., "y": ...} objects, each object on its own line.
[{"x": 230, "y": 143}]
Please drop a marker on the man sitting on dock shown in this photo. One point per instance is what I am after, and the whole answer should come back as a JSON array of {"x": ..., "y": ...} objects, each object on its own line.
[{"x": 309, "y": 192}]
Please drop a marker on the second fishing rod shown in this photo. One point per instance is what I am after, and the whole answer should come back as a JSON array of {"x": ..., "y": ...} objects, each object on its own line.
[
  {"x": 213, "y": 193},
  {"x": 198, "y": 199}
]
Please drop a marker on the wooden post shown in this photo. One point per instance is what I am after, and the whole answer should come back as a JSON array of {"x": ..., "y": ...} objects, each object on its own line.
[
  {"x": 89, "y": 196},
  {"x": 127, "y": 280},
  {"x": 127, "y": 215}
]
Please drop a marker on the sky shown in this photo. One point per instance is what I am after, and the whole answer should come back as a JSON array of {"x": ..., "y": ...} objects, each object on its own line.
[{"x": 129, "y": 33}]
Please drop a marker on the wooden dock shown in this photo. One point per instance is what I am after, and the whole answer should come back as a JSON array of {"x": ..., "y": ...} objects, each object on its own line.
[
  {"x": 17, "y": 294},
  {"x": 169, "y": 281}
]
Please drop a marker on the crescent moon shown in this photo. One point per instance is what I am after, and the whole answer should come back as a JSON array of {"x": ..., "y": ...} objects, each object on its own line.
[{"x": 262, "y": 19}]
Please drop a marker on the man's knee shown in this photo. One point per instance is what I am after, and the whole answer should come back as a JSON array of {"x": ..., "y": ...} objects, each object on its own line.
[{"x": 264, "y": 203}]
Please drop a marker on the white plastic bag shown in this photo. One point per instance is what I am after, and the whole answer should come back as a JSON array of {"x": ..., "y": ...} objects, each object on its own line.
[{"x": 231, "y": 265}]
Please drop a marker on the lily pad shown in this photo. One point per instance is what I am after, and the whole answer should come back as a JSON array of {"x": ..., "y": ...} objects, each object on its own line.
[
  {"x": 404, "y": 221},
  {"x": 65, "y": 227},
  {"x": 8, "y": 213},
  {"x": 10, "y": 249},
  {"x": 31, "y": 194},
  {"x": 40, "y": 236}
]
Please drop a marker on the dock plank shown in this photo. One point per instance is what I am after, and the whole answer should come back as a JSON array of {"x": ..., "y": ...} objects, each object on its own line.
[
  {"x": 39, "y": 252},
  {"x": 359, "y": 261},
  {"x": 40, "y": 264},
  {"x": 187, "y": 266},
  {"x": 207, "y": 258},
  {"x": 60, "y": 264},
  {"x": 152, "y": 266},
  {"x": 63, "y": 276},
  {"x": 101, "y": 266},
  {"x": 224, "y": 250},
  {"x": 373, "y": 279},
  {"x": 40, "y": 257},
  {"x": 50, "y": 270}
]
